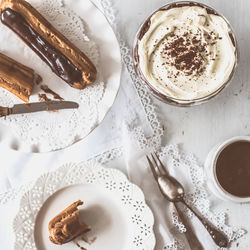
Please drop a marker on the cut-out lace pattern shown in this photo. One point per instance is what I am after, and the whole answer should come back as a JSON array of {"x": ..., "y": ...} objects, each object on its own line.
[
  {"x": 197, "y": 198},
  {"x": 50, "y": 131},
  {"x": 131, "y": 199},
  {"x": 154, "y": 140}
]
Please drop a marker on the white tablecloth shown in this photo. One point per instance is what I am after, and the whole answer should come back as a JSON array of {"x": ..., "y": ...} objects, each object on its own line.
[{"x": 196, "y": 128}]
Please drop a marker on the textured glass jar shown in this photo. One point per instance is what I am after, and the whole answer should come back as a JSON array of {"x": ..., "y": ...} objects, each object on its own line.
[{"x": 157, "y": 93}]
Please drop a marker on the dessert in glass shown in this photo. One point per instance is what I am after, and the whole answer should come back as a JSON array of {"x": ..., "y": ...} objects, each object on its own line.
[{"x": 185, "y": 52}]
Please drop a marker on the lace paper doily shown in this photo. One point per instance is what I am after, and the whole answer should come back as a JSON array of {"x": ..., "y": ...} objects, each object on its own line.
[
  {"x": 127, "y": 196},
  {"x": 191, "y": 174},
  {"x": 15, "y": 193},
  {"x": 198, "y": 196},
  {"x": 154, "y": 139},
  {"x": 51, "y": 131}
]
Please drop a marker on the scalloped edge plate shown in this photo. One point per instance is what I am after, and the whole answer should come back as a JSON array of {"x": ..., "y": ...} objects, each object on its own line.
[{"x": 129, "y": 199}]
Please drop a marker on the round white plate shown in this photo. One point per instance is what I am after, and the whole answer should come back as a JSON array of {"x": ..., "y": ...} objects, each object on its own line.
[
  {"x": 44, "y": 132},
  {"x": 113, "y": 207}
]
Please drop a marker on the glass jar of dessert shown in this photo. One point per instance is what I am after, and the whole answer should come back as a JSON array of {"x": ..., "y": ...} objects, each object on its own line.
[
  {"x": 228, "y": 169},
  {"x": 185, "y": 52}
]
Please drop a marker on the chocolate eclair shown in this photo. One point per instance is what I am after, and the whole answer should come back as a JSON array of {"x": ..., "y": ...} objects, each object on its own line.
[
  {"x": 63, "y": 57},
  {"x": 66, "y": 226},
  {"x": 16, "y": 78}
]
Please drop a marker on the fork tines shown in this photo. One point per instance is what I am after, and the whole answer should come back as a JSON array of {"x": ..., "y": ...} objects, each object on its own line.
[
  {"x": 156, "y": 165},
  {"x": 152, "y": 168}
]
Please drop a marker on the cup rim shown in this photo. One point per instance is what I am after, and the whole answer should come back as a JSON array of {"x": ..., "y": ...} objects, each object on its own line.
[
  {"x": 173, "y": 100},
  {"x": 214, "y": 161}
]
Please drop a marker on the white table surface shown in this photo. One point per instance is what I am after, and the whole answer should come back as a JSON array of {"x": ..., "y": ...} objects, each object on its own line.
[{"x": 197, "y": 128}]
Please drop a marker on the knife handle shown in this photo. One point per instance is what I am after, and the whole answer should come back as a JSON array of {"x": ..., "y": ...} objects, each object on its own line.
[{"x": 4, "y": 111}]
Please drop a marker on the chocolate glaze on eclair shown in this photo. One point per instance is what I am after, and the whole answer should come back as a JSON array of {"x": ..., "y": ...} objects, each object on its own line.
[
  {"x": 64, "y": 59},
  {"x": 59, "y": 63}
]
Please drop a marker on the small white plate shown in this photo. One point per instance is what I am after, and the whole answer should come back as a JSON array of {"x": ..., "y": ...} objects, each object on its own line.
[{"x": 113, "y": 207}]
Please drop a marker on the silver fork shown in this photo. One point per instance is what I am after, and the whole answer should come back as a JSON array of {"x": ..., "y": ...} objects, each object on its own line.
[{"x": 173, "y": 191}]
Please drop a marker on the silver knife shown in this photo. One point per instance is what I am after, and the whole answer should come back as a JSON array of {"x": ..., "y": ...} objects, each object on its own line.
[{"x": 37, "y": 107}]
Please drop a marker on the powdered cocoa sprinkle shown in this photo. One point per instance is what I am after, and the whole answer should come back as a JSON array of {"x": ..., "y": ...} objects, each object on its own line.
[{"x": 187, "y": 53}]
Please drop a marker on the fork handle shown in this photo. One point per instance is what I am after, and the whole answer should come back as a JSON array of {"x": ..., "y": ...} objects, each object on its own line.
[
  {"x": 218, "y": 237},
  {"x": 192, "y": 239}
]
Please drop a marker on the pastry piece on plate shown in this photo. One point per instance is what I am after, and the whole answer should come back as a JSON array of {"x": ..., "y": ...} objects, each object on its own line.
[
  {"x": 64, "y": 58},
  {"x": 16, "y": 78},
  {"x": 66, "y": 226}
]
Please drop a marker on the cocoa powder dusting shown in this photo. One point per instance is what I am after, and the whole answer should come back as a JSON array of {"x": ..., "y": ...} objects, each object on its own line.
[{"x": 187, "y": 52}]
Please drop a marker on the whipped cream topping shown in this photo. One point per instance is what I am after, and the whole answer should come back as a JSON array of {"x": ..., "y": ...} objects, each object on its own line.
[{"x": 186, "y": 52}]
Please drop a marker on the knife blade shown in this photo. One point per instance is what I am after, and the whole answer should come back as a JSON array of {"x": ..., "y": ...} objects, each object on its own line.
[{"x": 37, "y": 107}]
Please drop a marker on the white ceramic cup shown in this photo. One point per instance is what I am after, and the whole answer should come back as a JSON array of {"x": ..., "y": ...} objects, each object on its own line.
[{"x": 210, "y": 165}]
